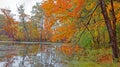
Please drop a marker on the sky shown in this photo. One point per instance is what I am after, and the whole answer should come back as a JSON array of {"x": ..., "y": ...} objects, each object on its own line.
[{"x": 12, "y": 5}]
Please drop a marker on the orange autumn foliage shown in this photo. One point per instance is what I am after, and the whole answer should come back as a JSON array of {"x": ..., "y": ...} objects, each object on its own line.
[
  {"x": 64, "y": 32},
  {"x": 11, "y": 26},
  {"x": 64, "y": 13},
  {"x": 105, "y": 59}
]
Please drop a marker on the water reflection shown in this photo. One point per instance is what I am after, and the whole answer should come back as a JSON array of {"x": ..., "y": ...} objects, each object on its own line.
[{"x": 21, "y": 55}]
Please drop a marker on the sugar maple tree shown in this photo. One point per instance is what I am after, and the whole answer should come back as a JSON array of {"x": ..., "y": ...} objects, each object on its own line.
[{"x": 60, "y": 16}]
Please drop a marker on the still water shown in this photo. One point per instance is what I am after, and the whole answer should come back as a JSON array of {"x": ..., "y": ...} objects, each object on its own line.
[{"x": 27, "y": 55}]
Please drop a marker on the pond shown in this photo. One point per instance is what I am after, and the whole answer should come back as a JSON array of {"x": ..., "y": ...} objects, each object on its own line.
[{"x": 27, "y": 55}]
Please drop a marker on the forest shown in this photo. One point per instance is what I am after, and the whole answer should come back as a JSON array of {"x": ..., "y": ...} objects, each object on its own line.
[{"x": 88, "y": 32}]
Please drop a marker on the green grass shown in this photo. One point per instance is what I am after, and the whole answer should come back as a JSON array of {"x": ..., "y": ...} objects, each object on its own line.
[
  {"x": 90, "y": 64},
  {"x": 89, "y": 58}
]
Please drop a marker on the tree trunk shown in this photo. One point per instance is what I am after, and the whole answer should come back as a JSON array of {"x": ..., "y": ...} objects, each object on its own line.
[{"x": 111, "y": 27}]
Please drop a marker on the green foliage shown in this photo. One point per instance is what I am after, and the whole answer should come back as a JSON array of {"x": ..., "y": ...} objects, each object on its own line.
[
  {"x": 89, "y": 58},
  {"x": 118, "y": 33},
  {"x": 95, "y": 33},
  {"x": 83, "y": 64},
  {"x": 4, "y": 38},
  {"x": 85, "y": 40},
  {"x": 90, "y": 64}
]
